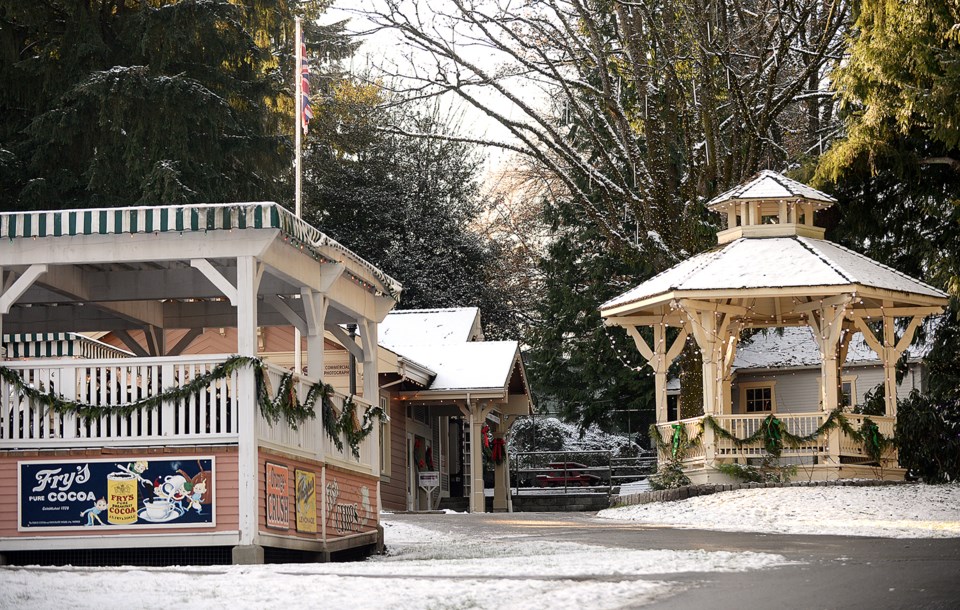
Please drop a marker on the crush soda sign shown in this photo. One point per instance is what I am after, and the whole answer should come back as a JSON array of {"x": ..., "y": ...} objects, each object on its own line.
[{"x": 278, "y": 496}]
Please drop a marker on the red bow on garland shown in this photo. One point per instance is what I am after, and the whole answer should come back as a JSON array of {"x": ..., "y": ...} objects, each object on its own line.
[{"x": 485, "y": 434}]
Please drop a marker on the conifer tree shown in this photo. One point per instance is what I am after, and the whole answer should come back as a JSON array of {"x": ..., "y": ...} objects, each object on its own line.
[{"x": 122, "y": 102}]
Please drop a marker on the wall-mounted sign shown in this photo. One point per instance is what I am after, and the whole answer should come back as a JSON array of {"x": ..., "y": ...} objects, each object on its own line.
[
  {"x": 306, "y": 501},
  {"x": 135, "y": 492},
  {"x": 278, "y": 496}
]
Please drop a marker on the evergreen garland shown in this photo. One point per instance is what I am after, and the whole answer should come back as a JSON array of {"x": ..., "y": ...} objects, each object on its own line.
[
  {"x": 285, "y": 405},
  {"x": 773, "y": 433}
]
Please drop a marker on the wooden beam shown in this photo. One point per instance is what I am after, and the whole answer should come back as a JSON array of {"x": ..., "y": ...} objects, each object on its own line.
[
  {"x": 131, "y": 343},
  {"x": 670, "y": 320},
  {"x": 897, "y": 312},
  {"x": 185, "y": 341},
  {"x": 868, "y": 335},
  {"x": 344, "y": 339},
  {"x": 834, "y": 301},
  {"x": 677, "y": 346},
  {"x": 25, "y": 281},
  {"x": 286, "y": 311},
  {"x": 711, "y": 306},
  {"x": 216, "y": 278},
  {"x": 907, "y": 336},
  {"x": 642, "y": 346}
]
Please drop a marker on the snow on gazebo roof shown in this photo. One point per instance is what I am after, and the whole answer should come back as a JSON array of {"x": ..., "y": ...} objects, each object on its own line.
[
  {"x": 773, "y": 263},
  {"x": 771, "y": 185}
]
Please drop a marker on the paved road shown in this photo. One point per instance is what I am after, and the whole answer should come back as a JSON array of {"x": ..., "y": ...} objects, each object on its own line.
[{"x": 831, "y": 571}]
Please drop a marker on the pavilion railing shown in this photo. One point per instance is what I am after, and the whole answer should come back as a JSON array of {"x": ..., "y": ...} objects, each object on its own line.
[{"x": 209, "y": 416}]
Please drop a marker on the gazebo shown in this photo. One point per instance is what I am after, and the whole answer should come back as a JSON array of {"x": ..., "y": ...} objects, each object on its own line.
[{"x": 773, "y": 268}]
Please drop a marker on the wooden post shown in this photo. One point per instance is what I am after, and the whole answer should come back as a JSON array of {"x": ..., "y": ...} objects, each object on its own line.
[
  {"x": 477, "y": 500},
  {"x": 249, "y": 549},
  {"x": 371, "y": 388},
  {"x": 501, "y": 481}
]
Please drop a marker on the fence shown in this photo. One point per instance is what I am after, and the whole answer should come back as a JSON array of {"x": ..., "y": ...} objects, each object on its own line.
[{"x": 577, "y": 471}]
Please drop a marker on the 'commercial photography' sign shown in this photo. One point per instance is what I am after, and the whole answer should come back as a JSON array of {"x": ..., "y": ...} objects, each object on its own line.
[{"x": 134, "y": 492}]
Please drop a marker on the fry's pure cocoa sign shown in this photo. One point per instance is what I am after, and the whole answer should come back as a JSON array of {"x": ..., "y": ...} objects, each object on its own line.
[{"x": 135, "y": 492}]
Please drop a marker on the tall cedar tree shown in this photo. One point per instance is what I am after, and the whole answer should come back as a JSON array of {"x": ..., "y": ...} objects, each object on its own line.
[
  {"x": 897, "y": 172},
  {"x": 121, "y": 102}
]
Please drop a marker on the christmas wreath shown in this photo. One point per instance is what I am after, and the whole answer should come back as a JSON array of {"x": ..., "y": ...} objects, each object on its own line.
[{"x": 495, "y": 450}]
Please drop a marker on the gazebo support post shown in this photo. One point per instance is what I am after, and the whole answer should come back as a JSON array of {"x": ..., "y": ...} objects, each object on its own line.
[
  {"x": 501, "y": 480},
  {"x": 889, "y": 351},
  {"x": 828, "y": 325},
  {"x": 659, "y": 358}
]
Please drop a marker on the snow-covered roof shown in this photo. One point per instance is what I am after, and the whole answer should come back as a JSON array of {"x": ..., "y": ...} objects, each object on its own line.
[
  {"x": 771, "y": 185},
  {"x": 795, "y": 347},
  {"x": 776, "y": 262},
  {"x": 429, "y": 327},
  {"x": 468, "y": 365}
]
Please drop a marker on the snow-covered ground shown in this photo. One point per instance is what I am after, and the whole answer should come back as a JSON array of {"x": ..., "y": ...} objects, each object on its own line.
[
  {"x": 901, "y": 511},
  {"x": 426, "y": 568}
]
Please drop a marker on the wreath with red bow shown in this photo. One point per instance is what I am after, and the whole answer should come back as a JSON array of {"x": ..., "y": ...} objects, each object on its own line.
[{"x": 494, "y": 450}]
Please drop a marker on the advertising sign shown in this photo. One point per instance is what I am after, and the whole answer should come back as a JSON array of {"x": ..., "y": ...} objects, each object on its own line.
[
  {"x": 278, "y": 496},
  {"x": 306, "y": 501},
  {"x": 134, "y": 492}
]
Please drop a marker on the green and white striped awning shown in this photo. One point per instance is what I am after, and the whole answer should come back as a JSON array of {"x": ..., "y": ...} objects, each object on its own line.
[
  {"x": 58, "y": 345},
  {"x": 184, "y": 219}
]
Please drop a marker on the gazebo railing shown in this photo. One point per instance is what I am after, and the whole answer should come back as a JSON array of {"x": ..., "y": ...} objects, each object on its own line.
[{"x": 797, "y": 424}]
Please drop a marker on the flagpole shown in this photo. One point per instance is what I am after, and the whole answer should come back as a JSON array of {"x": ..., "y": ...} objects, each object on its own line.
[{"x": 298, "y": 119}]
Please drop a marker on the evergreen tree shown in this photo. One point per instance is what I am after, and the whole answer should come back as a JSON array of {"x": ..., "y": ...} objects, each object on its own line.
[
  {"x": 590, "y": 373},
  {"x": 407, "y": 205},
  {"x": 897, "y": 172},
  {"x": 121, "y": 102}
]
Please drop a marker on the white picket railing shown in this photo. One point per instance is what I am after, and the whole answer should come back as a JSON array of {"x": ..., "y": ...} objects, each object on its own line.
[
  {"x": 307, "y": 437},
  {"x": 209, "y": 416}
]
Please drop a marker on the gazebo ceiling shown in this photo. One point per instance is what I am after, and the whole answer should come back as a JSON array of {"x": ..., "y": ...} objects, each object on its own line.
[{"x": 791, "y": 269}]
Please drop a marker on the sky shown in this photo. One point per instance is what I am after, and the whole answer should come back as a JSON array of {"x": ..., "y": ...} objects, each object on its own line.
[{"x": 427, "y": 568}]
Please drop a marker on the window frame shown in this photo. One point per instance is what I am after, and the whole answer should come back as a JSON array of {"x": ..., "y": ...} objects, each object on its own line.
[{"x": 758, "y": 385}]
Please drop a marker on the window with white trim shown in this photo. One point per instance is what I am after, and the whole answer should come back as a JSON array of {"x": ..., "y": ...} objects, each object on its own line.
[{"x": 757, "y": 398}]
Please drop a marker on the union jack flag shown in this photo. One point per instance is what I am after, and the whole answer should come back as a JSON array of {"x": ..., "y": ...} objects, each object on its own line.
[{"x": 306, "y": 112}]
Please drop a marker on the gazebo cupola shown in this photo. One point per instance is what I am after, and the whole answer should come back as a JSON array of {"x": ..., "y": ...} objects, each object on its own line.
[{"x": 770, "y": 205}]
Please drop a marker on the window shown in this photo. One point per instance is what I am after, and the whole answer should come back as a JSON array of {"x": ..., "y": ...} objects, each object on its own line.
[
  {"x": 385, "y": 438},
  {"x": 757, "y": 398},
  {"x": 848, "y": 391}
]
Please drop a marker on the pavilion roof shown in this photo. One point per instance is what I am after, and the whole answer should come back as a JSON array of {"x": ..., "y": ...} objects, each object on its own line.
[{"x": 774, "y": 263}]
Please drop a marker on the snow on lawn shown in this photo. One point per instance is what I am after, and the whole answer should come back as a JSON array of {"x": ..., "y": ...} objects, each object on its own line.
[
  {"x": 424, "y": 569},
  {"x": 900, "y": 511}
]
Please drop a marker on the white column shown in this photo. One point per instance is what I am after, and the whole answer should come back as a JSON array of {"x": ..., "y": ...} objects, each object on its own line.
[
  {"x": 248, "y": 551},
  {"x": 477, "y": 501},
  {"x": 501, "y": 479},
  {"x": 371, "y": 386}
]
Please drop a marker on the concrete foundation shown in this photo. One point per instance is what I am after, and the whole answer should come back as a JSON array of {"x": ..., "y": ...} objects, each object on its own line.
[{"x": 248, "y": 554}]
